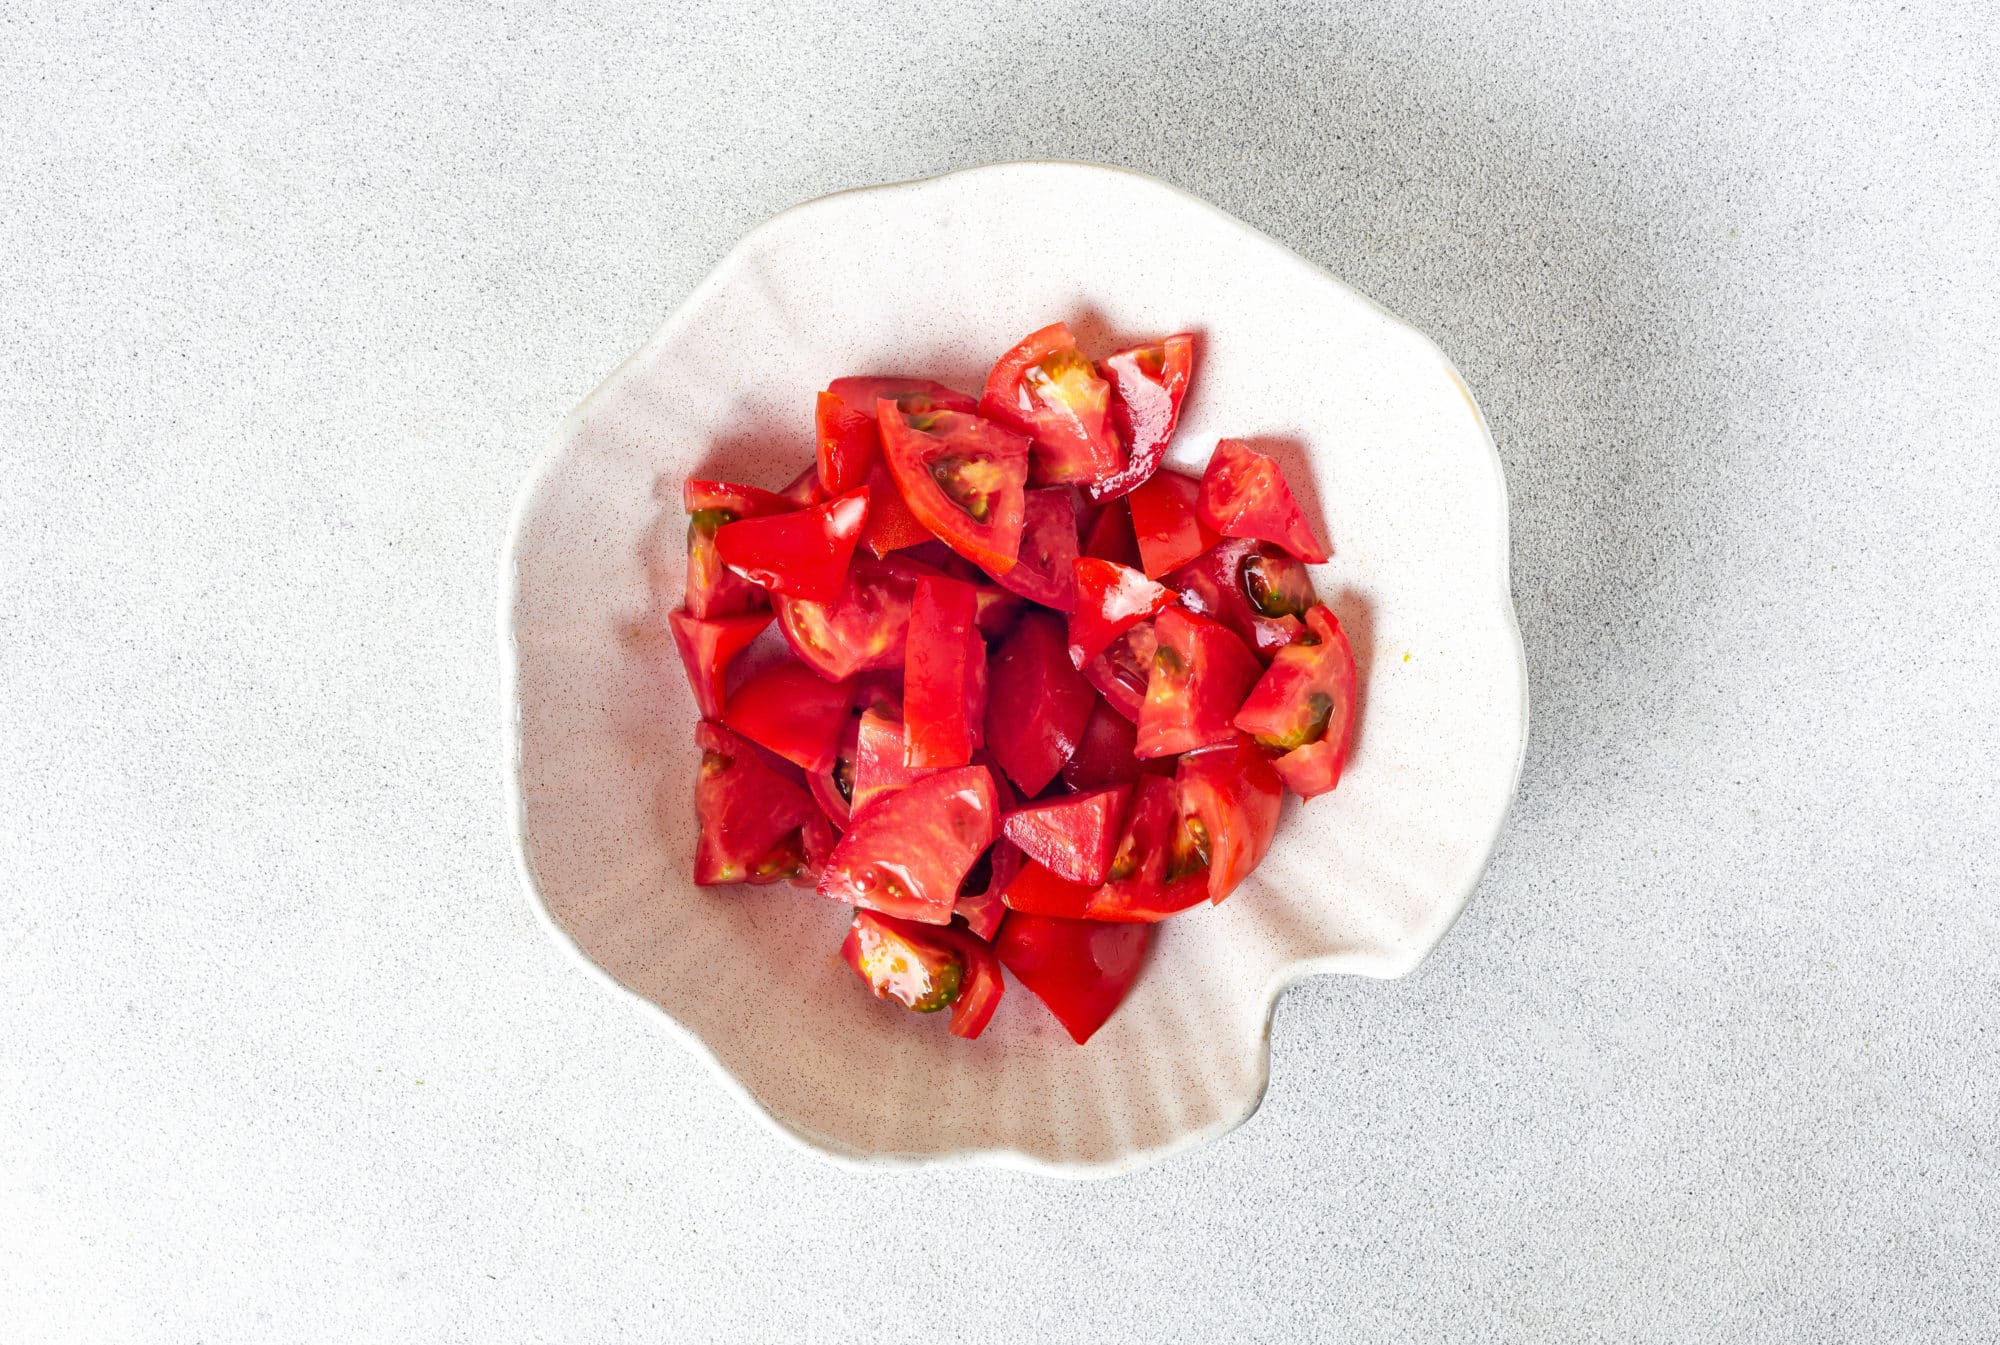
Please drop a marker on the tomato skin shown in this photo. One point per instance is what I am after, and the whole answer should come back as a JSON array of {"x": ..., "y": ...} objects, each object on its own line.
[
  {"x": 907, "y": 853},
  {"x": 904, "y": 960},
  {"x": 1111, "y": 537},
  {"x": 1037, "y": 703},
  {"x": 1256, "y": 589},
  {"x": 1041, "y": 570},
  {"x": 1103, "y": 755},
  {"x": 755, "y": 825},
  {"x": 1280, "y": 712},
  {"x": 1147, "y": 386},
  {"x": 804, "y": 491},
  {"x": 803, "y": 554},
  {"x": 1081, "y": 969},
  {"x": 1233, "y": 793},
  {"x": 738, "y": 501},
  {"x": 861, "y": 630},
  {"x": 1169, "y": 531},
  {"x": 849, "y": 445},
  {"x": 1038, "y": 890},
  {"x": 986, "y": 464},
  {"x": 1045, "y": 389},
  {"x": 1072, "y": 837},
  {"x": 944, "y": 674},
  {"x": 980, "y": 905},
  {"x": 1244, "y": 494},
  {"x": 881, "y": 755},
  {"x": 1201, "y": 674},
  {"x": 833, "y": 787},
  {"x": 1110, "y": 600},
  {"x": 917, "y": 394},
  {"x": 790, "y": 709},
  {"x": 1121, "y": 673},
  {"x": 713, "y": 590},
  {"x": 708, "y": 648},
  {"x": 850, "y": 452},
  {"x": 1143, "y": 884}
]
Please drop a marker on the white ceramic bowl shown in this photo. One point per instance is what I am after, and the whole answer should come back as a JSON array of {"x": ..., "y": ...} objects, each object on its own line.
[{"x": 1382, "y": 442}]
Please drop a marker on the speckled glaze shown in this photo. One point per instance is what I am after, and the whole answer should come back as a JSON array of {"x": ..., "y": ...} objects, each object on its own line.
[{"x": 1382, "y": 442}]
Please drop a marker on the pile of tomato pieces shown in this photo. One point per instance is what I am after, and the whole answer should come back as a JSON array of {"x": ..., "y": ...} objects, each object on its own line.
[{"x": 1037, "y": 693}]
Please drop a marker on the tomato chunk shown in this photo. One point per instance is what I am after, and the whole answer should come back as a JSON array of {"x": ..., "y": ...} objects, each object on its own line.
[
  {"x": 833, "y": 788},
  {"x": 944, "y": 674},
  {"x": 790, "y": 709},
  {"x": 963, "y": 477},
  {"x": 1303, "y": 707},
  {"x": 850, "y": 451},
  {"x": 908, "y": 854},
  {"x": 925, "y": 969},
  {"x": 1169, "y": 531},
  {"x": 1201, "y": 673},
  {"x": 1156, "y": 870},
  {"x": 1041, "y": 571},
  {"x": 803, "y": 554},
  {"x": 1046, "y": 389},
  {"x": 1071, "y": 837},
  {"x": 709, "y": 647},
  {"x": 1147, "y": 385},
  {"x": 1037, "y": 702},
  {"x": 861, "y": 630},
  {"x": 1104, "y": 754},
  {"x": 1081, "y": 969},
  {"x": 1229, "y": 810},
  {"x": 1122, "y": 672},
  {"x": 979, "y": 896},
  {"x": 736, "y": 501},
  {"x": 1041, "y": 891},
  {"x": 804, "y": 490},
  {"x": 1254, "y": 588},
  {"x": 1243, "y": 494},
  {"x": 881, "y": 752},
  {"x": 713, "y": 590},
  {"x": 1110, "y": 600},
  {"x": 754, "y": 825},
  {"x": 1111, "y": 537}
]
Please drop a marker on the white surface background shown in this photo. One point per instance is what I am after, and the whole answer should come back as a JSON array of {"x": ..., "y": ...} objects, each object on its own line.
[{"x": 288, "y": 303}]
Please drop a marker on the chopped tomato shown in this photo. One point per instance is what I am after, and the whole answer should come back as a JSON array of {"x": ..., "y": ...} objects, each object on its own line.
[
  {"x": 1169, "y": 532},
  {"x": 1046, "y": 389},
  {"x": 1243, "y": 494},
  {"x": 804, "y": 491},
  {"x": 1037, "y": 703},
  {"x": 1229, "y": 810},
  {"x": 754, "y": 824},
  {"x": 803, "y": 554},
  {"x": 1110, "y": 600},
  {"x": 1124, "y": 669},
  {"x": 709, "y": 647},
  {"x": 833, "y": 788},
  {"x": 1252, "y": 587},
  {"x": 1104, "y": 754},
  {"x": 1071, "y": 837},
  {"x": 944, "y": 674},
  {"x": 734, "y": 500},
  {"x": 849, "y": 443},
  {"x": 1039, "y": 890},
  {"x": 963, "y": 478},
  {"x": 891, "y": 526},
  {"x": 1303, "y": 707},
  {"x": 908, "y": 854},
  {"x": 1156, "y": 870},
  {"x": 1081, "y": 969},
  {"x": 979, "y": 896},
  {"x": 861, "y": 630},
  {"x": 912, "y": 394},
  {"x": 713, "y": 590},
  {"x": 925, "y": 969},
  {"x": 881, "y": 755},
  {"x": 850, "y": 452},
  {"x": 1147, "y": 385},
  {"x": 790, "y": 709},
  {"x": 1201, "y": 673},
  {"x": 1111, "y": 537},
  {"x": 1041, "y": 572}
]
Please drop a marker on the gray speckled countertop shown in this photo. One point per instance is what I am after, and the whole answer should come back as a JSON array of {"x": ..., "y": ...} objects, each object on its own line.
[{"x": 287, "y": 306}]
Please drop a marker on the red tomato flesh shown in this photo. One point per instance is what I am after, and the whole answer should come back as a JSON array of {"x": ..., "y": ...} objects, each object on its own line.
[
  {"x": 709, "y": 647},
  {"x": 1044, "y": 388},
  {"x": 1081, "y": 969},
  {"x": 944, "y": 674},
  {"x": 713, "y": 590},
  {"x": 1147, "y": 386},
  {"x": 1104, "y": 754},
  {"x": 1038, "y": 890},
  {"x": 1041, "y": 571},
  {"x": 790, "y": 709},
  {"x": 908, "y": 853},
  {"x": 926, "y": 969},
  {"x": 861, "y": 630},
  {"x": 1155, "y": 871},
  {"x": 1201, "y": 674},
  {"x": 881, "y": 751},
  {"x": 1303, "y": 707},
  {"x": 1169, "y": 532},
  {"x": 1072, "y": 837},
  {"x": 1229, "y": 810},
  {"x": 1122, "y": 672},
  {"x": 1111, "y": 537},
  {"x": 803, "y": 554},
  {"x": 1252, "y": 587},
  {"x": 1243, "y": 494},
  {"x": 963, "y": 477},
  {"x": 1110, "y": 600},
  {"x": 754, "y": 825},
  {"x": 734, "y": 500},
  {"x": 1037, "y": 703}
]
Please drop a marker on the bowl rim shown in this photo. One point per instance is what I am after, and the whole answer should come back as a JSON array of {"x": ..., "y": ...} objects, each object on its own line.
[{"x": 803, "y": 1138}]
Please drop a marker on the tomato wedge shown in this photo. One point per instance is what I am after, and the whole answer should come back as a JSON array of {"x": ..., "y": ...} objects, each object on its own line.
[
  {"x": 1303, "y": 706},
  {"x": 908, "y": 854},
  {"x": 963, "y": 477},
  {"x": 737, "y": 501},
  {"x": 1039, "y": 891},
  {"x": 804, "y": 490},
  {"x": 863, "y": 629},
  {"x": 1156, "y": 871},
  {"x": 790, "y": 709},
  {"x": 754, "y": 824},
  {"x": 1169, "y": 531},
  {"x": 1046, "y": 389},
  {"x": 1104, "y": 754},
  {"x": 912, "y": 394},
  {"x": 1110, "y": 600},
  {"x": 1122, "y": 672},
  {"x": 850, "y": 451},
  {"x": 713, "y": 590},
  {"x": 1254, "y": 588},
  {"x": 925, "y": 969},
  {"x": 709, "y": 647},
  {"x": 1072, "y": 837},
  {"x": 1201, "y": 673},
  {"x": 881, "y": 752},
  {"x": 979, "y": 895},
  {"x": 944, "y": 674},
  {"x": 1229, "y": 810},
  {"x": 1243, "y": 494},
  {"x": 1147, "y": 385},
  {"x": 833, "y": 788},
  {"x": 1037, "y": 703},
  {"x": 1041, "y": 572},
  {"x": 1111, "y": 537},
  {"x": 1081, "y": 969},
  {"x": 803, "y": 554}
]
